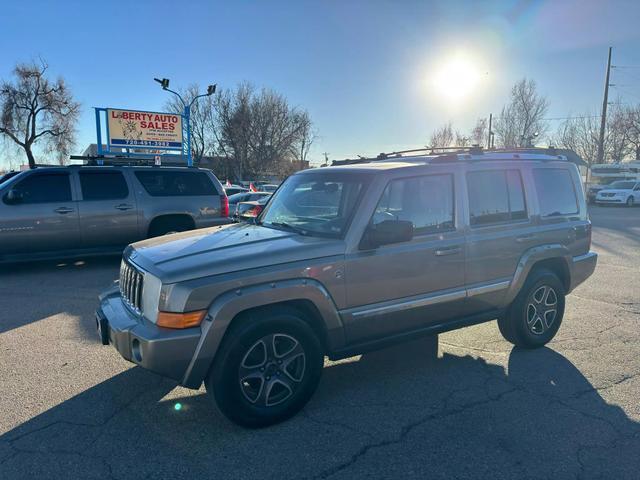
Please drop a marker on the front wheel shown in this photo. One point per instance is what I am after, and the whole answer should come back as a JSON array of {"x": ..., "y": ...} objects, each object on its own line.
[
  {"x": 267, "y": 368},
  {"x": 534, "y": 317}
]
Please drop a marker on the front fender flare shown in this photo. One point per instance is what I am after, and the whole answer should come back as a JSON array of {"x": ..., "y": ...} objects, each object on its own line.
[{"x": 228, "y": 305}]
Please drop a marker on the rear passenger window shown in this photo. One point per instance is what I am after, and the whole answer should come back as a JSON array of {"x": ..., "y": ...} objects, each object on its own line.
[
  {"x": 159, "y": 183},
  {"x": 426, "y": 201},
  {"x": 103, "y": 185},
  {"x": 43, "y": 188},
  {"x": 495, "y": 196},
  {"x": 556, "y": 193}
]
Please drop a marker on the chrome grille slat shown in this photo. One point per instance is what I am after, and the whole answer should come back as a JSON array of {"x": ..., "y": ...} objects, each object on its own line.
[
  {"x": 136, "y": 291},
  {"x": 131, "y": 281}
]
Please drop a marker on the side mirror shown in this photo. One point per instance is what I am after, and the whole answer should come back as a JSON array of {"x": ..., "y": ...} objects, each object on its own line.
[
  {"x": 387, "y": 232},
  {"x": 13, "y": 196}
]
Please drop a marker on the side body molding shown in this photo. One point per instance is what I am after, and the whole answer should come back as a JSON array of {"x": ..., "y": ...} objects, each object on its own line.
[
  {"x": 226, "y": 306},
  {"x": 528, "y": 259}
]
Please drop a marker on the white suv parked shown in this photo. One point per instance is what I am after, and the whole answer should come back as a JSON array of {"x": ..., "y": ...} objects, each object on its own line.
[{"x": 621, "y": 192}]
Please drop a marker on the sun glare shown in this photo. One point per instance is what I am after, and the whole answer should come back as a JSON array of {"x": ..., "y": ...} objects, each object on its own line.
[{"x": 455, "y": 78}]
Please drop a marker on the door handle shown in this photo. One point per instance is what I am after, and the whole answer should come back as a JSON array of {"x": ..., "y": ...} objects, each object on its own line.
[
  {"x": 448, "y": 251},
  {"x": 124, "y": 206},
  {"x": 525, "y": 238},
  {"x": 63, "y": 210}
]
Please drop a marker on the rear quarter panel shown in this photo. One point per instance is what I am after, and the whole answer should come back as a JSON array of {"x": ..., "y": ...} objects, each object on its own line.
[{"x": 203, "y": 209}]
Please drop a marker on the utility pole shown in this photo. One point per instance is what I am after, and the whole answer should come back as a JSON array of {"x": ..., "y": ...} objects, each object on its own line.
[{"x": 603, "y": 121}]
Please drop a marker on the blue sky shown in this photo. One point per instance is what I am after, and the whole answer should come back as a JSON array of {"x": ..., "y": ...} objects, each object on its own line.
[{"x": 363, "y": 69}]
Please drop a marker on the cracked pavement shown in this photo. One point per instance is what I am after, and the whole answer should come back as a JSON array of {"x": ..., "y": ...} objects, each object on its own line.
[{"x": 462, "y": 405}]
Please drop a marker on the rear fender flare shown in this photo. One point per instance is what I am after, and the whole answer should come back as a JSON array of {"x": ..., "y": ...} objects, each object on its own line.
[{"x": 529, "y": 259}]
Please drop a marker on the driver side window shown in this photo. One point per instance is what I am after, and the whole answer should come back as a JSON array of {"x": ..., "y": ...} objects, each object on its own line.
[{"x": 427, "y": 202}]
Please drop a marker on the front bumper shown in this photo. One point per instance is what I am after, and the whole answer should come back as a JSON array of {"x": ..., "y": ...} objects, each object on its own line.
[
  {"x": 165, "y": 351},
  {"x": 582, "y": 267}
]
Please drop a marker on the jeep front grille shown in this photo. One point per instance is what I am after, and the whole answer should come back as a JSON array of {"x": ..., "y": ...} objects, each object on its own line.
[{"x": 131, "y": 285}]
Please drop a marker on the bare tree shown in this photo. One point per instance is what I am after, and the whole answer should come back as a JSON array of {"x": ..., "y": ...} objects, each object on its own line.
[
  {"x": 480, "y": 132},
  {"x": 461, "y": 140},
  {"x": 581, "y": 134},
  {"x": 616, "y": 138},
  {"x": 37, "y": 111},
  {"x": 233, "y": 113},
  {"x": 259, "y": 130},
  {"x": 442, "y": 137},
  {"x": 305, "y": 138},
  {"x": 523, "y": 117},
  {"x": 202, "y": 116},
  {"x": 632, "y": 130}
]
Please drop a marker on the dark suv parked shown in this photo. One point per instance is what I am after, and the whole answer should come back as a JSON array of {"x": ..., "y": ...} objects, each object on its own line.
[
  {"x": 350, "y": 258},
  {"x": 64, "y": 211}
]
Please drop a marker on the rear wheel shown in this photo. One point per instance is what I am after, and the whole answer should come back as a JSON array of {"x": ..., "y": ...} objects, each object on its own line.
[
  {"x": 267, "y": 368},
  {"x": 630, "y": 202},
  {"x": 534, "y": 317}
]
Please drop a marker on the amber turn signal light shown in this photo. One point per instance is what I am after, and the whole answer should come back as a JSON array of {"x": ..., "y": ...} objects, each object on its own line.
[{"x": 180, "y": 320}]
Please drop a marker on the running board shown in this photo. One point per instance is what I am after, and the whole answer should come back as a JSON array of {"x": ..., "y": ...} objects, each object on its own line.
[{"x": 387, "y": 341}]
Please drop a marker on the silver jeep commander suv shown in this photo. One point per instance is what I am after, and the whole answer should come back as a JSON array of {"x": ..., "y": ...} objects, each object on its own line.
[{"x": 350, "y": 258}]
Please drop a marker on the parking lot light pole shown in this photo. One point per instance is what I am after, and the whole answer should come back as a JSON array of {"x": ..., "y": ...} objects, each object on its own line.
[{"x": 211, "y": 89}]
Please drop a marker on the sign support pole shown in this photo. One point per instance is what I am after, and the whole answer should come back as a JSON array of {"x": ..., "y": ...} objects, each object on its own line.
[{"x": 187, "y": 120}]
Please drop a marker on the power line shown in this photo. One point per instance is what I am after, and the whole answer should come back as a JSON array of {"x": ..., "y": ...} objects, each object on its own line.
[
  {"x": 626, "y": 91},
  {"x": 572, "y": 118},
  {"x": 560, "y": 118}
]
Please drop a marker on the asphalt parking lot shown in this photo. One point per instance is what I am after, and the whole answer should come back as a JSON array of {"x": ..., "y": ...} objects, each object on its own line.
[{"x": 464, "y": 405}]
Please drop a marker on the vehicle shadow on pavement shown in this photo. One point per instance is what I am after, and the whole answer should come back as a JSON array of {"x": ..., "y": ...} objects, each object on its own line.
[
  {"x": 35, "y": 291},
  {"x": 401, "y": 412}
]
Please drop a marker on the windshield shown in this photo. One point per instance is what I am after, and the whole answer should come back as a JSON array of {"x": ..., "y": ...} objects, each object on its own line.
[
  {"x": 316, "y": 204},
  {"x": 621, "y": 185},
  {"x": 238, "y": 197},
  {"x": 7, "y": 176}
]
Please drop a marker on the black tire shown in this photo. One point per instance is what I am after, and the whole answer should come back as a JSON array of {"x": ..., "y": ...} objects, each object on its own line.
[
  {"x": 260, "y": 398},
  {"x": 535, "y": 316},
  {"x": 504, "y": 325},
  {"x": 630, "y": 202}
]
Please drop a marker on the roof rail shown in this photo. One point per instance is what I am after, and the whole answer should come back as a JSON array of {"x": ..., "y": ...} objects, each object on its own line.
[{"x": 451, "y": 154}]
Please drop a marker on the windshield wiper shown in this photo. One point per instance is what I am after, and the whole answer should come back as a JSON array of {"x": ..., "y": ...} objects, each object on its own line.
[{"x": 288, "y": 227}]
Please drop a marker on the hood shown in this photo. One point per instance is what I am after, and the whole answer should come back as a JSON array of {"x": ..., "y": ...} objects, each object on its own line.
[{"x": 226, "y": 249}]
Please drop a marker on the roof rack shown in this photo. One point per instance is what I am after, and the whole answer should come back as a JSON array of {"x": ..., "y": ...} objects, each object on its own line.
[
  {"x": 123, "y": 161},
  {"x": 474, "y": 152}
]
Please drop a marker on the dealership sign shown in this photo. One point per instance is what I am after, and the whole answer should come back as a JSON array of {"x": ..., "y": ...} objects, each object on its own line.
[{"x": 137, "y": 129}]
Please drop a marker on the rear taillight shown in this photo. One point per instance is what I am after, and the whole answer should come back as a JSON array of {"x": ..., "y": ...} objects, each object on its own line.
[
  {"x": 224, "y": 206},
  {"x": 589, "y": 228}
]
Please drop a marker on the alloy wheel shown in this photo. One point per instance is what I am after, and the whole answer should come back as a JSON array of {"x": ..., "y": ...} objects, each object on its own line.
[
  {"x": 542, "y": 309},
  {"x": 272, "y": 369}
]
